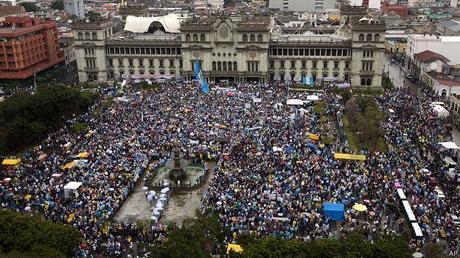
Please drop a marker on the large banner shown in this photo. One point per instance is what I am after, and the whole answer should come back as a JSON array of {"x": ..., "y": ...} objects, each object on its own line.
[{"x": 200, "y": 78}]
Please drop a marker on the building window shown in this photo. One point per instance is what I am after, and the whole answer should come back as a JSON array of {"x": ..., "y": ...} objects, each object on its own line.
[
  {"x": 110, "y": 62},
  {"x": 229, "y": 65},
  {"x": 377, "y": 37},
  {"x": 131, "y": 63},
  {"x": 314, "y": 64},
  {"x": 363, "y": 82},
  {"x": 324, "y": 64},
  {"x": 224, "y": 66},
  {"x": 151, "y": 62},
  {"x": 304, "y": 64},
  {"x": 161, "y": 62},
  {"x": 94, "y": 36},
  {"x": 171, "y": 62},
  {"x": 195, "y": 37},
  {"x": 219, "y": 66},
  {"x": 87, "y": 36},
  {"x": 259, "y": 38},
  {"x": 187, "y": 37},
  {"x": 80, "y": 35},
  {"x": 213, "y": 65},
  {"x": 293, "y": 64},
  {"x": 282, "y": 64},
  {"x": 245, "y": 38},
  {"x": 346, "y": 77},
  {"x": 361, "y": 37},
  {"x": 252, "y": 38},
  {"x": 202, "y": 37},
  {"x": 368, "y": 82},
  {"x": 235, "y": 66},
  {"x": 272, "y": 64},
  {"x": 347, "y": 65},
  {"x": 336, "y": 64},
  {"x": 369, "y": 37}
]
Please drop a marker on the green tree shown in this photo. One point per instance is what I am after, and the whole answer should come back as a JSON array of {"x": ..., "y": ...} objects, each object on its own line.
[
  {"x": 30, "y": 7},
  {"x": 57, "y": 5}
]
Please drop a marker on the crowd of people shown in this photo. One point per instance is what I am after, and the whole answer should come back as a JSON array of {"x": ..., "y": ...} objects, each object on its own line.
[{"x": 270, "y": 179}]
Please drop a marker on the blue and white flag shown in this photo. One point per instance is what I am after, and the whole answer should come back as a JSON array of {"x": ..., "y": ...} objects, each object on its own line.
[{"x": 199, "y": 76}]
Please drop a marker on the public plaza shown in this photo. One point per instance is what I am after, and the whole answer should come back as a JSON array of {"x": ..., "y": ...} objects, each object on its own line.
[{"x": 268, "y": 170}]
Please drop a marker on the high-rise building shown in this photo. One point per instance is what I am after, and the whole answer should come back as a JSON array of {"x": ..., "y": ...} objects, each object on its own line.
[
  {"x": 75, "y": 7},
  {"x": 27, "y": 45}
]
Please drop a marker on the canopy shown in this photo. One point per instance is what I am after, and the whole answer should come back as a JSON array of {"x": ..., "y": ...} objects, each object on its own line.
[
  {"x": 11, "y": 162},
  {"x": 449, "y": 145},
  {"x": 294, "y": 102},
  {"x": 235, "y": 248},
  {"x": 313, "y": 136},
  {"x": 349, "y": 156},
  {"x": 69, "y": 165},
  {"x": 441, "y": 111},
  {"x": 83, "y": 155},
  {"x": 169, "y": 22},
  {"x": 334, "y": 211},
  {"x": 72, "y": 186},
  {"x": 360, "y": 207},
  {"x": 313, "y": 97}
]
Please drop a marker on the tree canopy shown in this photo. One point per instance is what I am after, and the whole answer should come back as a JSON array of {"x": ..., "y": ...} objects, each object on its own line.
[
  {"x": 22, "y": 235},
  {"x": 30, "y": 7},
  {"x": 57, "y": 5},
  {"x": 25, "y": 117}
]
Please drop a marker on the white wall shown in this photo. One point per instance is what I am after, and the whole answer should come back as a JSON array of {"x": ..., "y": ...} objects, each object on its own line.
[{"x": 446, "y": 46}]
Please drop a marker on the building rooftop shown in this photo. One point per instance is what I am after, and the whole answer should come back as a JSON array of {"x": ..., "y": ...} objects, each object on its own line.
[
  {"x": 429, "y": 56},
  {"x": 451, "y": 25}
]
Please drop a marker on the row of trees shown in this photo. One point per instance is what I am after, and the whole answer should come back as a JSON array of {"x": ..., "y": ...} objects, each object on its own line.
[
  {"x": 22, "y": 235},
  {"x": 26, "y": 118},
  {"x": 199, "y": 237},
  {"x": 363, "y": 123}
]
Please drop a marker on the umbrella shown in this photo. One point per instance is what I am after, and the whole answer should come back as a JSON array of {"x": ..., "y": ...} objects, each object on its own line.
[
  {"x": 145, "y": 188},
  {"x": 156, "y": 212},
  {"x": 159, "y": 205},
  {"x": 165, "y": 190},
  {"x": 359, "y": 207},
  {"x": 27, "y": 197},
  {"x": 165, "y": 183},
  {"x": 162, "y": 195},
  {"x": 152, "y": 192},
  {"x": 162, "y": 199},
  {"x": 154, "y": 218},
  {"x": 417, "y": 255}
]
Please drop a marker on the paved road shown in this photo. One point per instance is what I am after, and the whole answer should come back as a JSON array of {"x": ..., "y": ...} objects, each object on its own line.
[{"x": 397, "y": 74}]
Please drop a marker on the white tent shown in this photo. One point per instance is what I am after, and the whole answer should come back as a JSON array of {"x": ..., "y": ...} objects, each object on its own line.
[
  {"x": 71, "y": 189},
  {"x": 449, "y": 145},
  {"x": 294, "y": 102},
  {"x": 441, "y": 111},
  {"x": 313, "y": 97}
]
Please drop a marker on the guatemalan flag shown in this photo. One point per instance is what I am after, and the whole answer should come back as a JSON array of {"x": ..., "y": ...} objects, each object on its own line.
[{"x": 199, "y": 76}]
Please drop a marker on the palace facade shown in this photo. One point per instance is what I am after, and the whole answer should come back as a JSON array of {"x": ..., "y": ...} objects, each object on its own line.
[{"x": 231, "y": 48}]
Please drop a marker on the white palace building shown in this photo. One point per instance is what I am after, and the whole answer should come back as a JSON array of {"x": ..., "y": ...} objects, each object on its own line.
[{"x": 231, "y": 48}]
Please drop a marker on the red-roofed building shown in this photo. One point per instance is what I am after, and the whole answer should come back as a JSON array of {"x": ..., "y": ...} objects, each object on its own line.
[
  {"x": 401, "y": 10},
  {"x": 28, "y": 45},
  {"x": 443, "y": 85}
]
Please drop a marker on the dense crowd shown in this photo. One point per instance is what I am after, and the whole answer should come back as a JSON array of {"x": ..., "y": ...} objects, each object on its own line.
[{"x": 271, "y": 179}]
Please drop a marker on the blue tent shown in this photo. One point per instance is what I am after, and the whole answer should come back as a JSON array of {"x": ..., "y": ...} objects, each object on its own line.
[{"x": 334, "y": 211}]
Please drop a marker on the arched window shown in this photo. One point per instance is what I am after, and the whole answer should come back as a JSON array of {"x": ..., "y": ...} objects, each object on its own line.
[
  {"x": 252, "y": 38},
  {"x": 224, "y": 66},
  {"x": 213, "y": 65},
  {"x": 369, "y": 37},
  {"x": 245, "y": 38},
  {"x": 229, "y": 66},
  {"x": 187, "y": 37},
  {"x": 105, "y": 34},
  {"x": 87, "y": 36},
  {"x": 80, "y": 35},
  {"x": 219, "y": 66},
  {"x": 195, "y": 37},
  {"x": 202, "y": 37},
  {"x": 259, "y": 38},
  {"x": 361, "y": 37},
  {"x": 363, "y": 82},
  {"x": 235, "y": 66},
  {"x": 94, "y": 36},
  {"x": 377, "y": 37},
  {"x": 369, "y": 82}
]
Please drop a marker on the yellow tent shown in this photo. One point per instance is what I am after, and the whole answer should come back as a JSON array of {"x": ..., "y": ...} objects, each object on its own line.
[
  {"x": 11, "y": 162},
  {"x": 349, "y": 156},
  {"x": 313, "y": 137},
  {"x": 83, "y": 155},
  {"x": 71, "y": 218},
  {"x": 69, "y": 165},
  {"x": 235, "y": 248}
]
